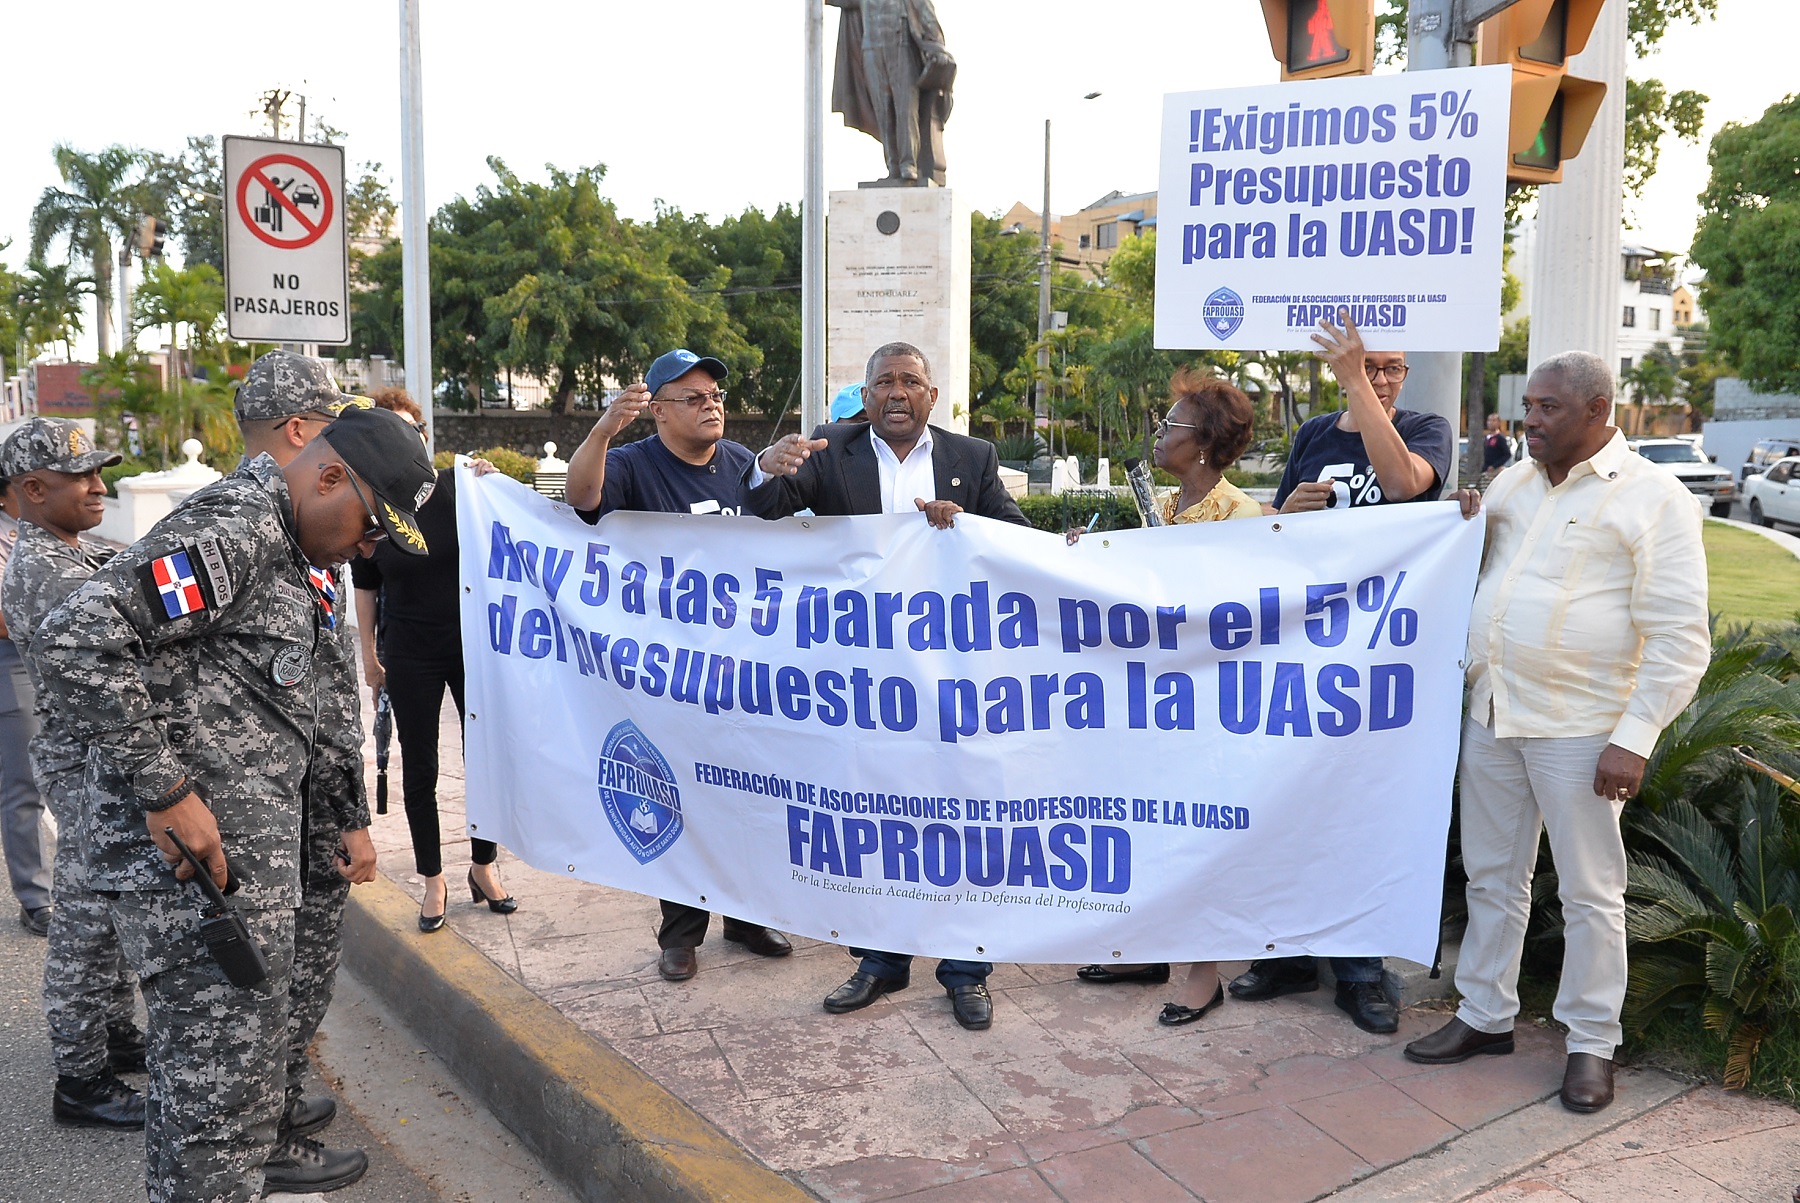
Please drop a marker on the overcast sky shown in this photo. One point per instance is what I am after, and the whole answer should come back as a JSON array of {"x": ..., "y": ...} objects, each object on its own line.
[{"x": 698, "y": 102}]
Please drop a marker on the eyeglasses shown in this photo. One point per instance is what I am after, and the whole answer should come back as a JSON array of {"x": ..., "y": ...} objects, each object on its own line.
[
  {"x": 697, "y": 400},
  {"x": 1163, "y": 424},
  {"x": 375, "y": 532},
  {"x": 1394, "y": 373}
]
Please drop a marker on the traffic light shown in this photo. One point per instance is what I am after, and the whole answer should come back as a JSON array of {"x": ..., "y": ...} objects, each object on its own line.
[
  {"x": 1318, "y": 39},
  {"x": 151, "y": 232},
  {"x": 1551, "y": 109}
]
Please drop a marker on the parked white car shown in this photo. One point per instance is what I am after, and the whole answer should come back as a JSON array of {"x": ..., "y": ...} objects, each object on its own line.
[
  {"x": 1774, "y": 496},
  {"x": 1703, "y": 478}
]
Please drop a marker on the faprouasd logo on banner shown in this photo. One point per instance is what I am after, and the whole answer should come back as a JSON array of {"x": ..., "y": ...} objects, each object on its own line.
[
  {"x": 639, "y": 791},
  {"x": 1383, "y": 195}
]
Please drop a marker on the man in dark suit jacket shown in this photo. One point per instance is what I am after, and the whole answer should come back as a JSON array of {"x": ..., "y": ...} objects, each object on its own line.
[{"x": 895, "y": 463}]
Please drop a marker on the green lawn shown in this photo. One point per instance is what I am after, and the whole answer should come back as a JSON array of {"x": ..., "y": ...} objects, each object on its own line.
[{"x": 1750, "y": 579}]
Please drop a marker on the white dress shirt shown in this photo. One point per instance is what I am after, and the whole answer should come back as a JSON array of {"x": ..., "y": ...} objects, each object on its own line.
[
  {"x": 904, "y": 481},
  {"x": 1590, "y": 613}
]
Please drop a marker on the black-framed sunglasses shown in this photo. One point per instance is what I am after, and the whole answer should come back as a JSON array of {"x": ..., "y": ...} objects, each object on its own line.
[{"x": 375, "y": 532}]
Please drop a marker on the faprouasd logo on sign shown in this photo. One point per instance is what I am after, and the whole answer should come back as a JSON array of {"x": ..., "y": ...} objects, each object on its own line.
[
  {"x": 1223, "y": 312},
  {"x": 637, "y": 788}
]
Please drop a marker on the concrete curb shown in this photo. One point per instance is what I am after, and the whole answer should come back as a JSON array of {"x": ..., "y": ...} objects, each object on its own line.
[{"x": 591, "y": 1117}]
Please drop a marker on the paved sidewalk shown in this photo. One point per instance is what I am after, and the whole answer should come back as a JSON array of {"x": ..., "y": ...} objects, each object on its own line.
[{"x": 1076, "y": 1093}]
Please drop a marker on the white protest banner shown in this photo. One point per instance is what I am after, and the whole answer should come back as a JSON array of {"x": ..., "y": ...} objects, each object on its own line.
[
  {"x": 287, "y": 263},
  {"x": 1279, "y": 205},
  {"x": 1219, "y": 741}
]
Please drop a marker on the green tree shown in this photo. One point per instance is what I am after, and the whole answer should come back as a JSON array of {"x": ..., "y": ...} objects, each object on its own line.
[
  {"x": 50, "y": 301},
  {"x": 1748, "y": 241},
  {"x": 1003, "y": 309},
  {"x": 548, "y": 279},
  {"x": 96, "y": 204},
  {"x": 1701, "y": 367},
  {"x": 174, "y": 297},
  {"x": 185, "y": 191},
  {"x": 1653, "y": 379}
]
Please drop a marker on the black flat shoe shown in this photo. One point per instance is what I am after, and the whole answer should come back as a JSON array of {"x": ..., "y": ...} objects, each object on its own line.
[
  {"x": 1175, "y": 1015},
  {"x": 500, "y": 906},
  {"x": 1101, "y": 975}
]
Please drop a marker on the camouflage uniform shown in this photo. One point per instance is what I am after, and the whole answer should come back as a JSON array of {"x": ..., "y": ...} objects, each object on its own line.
[
  {"x": 283, "y": 385},
  {"x": 87, "y": 987},
  {"x": 336, "y": 802},
  {"x": 186, "y": 665}
]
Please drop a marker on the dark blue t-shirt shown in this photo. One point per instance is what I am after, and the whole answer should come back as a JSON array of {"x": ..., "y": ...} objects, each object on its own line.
[
  {"x": 647, "y": 476},
  {"x": 1321, "y": 449}
]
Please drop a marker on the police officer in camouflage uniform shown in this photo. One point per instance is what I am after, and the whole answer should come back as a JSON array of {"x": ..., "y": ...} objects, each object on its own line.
[
  {"x": 187, "y": 666},
  {"x": 283, "y": 404},
  {"x": 89, "y": 995}
]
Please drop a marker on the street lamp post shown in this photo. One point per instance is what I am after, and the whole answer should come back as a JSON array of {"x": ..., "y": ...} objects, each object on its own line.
[{"x": 1041, "y": 405}]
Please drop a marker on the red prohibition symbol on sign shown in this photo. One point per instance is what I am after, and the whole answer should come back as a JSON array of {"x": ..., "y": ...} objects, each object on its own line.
[{"x": 295, "y": 205}]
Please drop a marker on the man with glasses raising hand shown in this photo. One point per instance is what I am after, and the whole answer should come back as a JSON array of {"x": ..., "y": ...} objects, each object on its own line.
[
  {"x": 687, "y": 467},
  {"x": 1370, "y": 453}
]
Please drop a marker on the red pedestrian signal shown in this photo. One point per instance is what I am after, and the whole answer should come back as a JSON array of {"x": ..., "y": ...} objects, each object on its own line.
[{"x": 1318, "y": 39}]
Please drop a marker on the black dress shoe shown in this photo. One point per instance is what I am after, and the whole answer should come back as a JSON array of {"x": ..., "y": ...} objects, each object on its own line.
[
  {"x": 972, "y": 1005},
  {"x": 763, "y": 941},
  {"x": 98, "y": 1102},
  {"x": 1274, "y": 977},
  {"x": 1368, "y": 1007},
  {"x": 861, "y": 990},
  {"x": 1587, "y": 1083},
  {"x": 299, "y": 1166},
  {"x": 125, "y": 1049},
  {"x": 500, "y": 906},
  {"x": 1457, "y": 1041},
  {"x": 35, "y": 919},
  {"x": 1102, "y": 975},
  {"x": 307, "y": 1116},
  {"x": 677, "y": 964},
  {"x": 1175, "y": 1015}
]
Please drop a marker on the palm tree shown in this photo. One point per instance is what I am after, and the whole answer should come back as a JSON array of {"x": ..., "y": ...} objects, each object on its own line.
[
  {"x": 50, "y": 304},
  {"x": 174, "y": 297},
  {"x": 95, "y": 206}
]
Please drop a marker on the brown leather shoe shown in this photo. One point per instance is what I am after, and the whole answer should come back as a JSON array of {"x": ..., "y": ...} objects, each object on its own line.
[
  {"x": 1587, "y": 1083},
  {"x": 1457, "y": 1041},
  {"x": 678, "y": 964}
]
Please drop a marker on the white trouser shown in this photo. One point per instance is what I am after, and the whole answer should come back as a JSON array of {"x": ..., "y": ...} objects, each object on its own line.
[{"x": 1512, "y": 788}]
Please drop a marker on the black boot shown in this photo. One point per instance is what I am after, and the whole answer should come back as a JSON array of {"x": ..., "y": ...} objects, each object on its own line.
[
  {"x": 125, "y": 1048},
  {"x": 101, "y": 1101},
  {"x": 298, "y": 1166}
]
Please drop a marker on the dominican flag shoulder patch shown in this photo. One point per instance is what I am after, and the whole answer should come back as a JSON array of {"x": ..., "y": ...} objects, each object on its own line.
[{"x": 186, "y": 581}]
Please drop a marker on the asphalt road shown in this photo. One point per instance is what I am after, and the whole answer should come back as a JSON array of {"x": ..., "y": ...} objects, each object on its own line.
[{"x": 41, "y": 1162}]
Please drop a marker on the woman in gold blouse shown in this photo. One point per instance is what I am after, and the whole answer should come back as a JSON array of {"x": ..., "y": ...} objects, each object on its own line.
[{"x": 1208, "y": 426}]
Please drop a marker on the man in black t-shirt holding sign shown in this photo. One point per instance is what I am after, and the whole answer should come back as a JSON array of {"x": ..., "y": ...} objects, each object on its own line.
[
  {"x": 687, "y": 467},
  {"x": 1369, "y": 454}
]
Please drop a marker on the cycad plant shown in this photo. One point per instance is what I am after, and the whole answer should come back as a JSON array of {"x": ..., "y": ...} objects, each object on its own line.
[{"x": 1711, "y": 920}]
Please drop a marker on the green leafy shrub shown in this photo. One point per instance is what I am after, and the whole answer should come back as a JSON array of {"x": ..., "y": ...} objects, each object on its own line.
[
  {"x": 1063, "y": 511},
  {"x": 514, "y": 464},
  {"x": 1711, "y": 918}
]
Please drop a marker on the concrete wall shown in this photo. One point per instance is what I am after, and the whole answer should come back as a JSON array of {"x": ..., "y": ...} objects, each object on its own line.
[
  {"x": 1735, "y": 401},
  {"x": 1731, "y": 441}
]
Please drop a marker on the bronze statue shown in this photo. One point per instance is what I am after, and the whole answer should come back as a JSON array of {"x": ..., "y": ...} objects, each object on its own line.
[{"x": 893, "y": 82}]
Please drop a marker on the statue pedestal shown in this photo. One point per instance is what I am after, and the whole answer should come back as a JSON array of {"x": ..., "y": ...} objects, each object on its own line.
[{"x": 898, "y": 271}]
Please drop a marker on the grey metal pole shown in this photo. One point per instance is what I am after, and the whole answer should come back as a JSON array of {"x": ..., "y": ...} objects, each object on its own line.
[
  {"x": 812, "y": 229},
  {"x": 415, "y": 222},
  {"x": 1041, "y": 405},
  {"x": 1434, "y": 383}
]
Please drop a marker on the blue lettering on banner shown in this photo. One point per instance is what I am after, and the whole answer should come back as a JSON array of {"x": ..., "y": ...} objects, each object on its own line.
[{"x": 638, "y": 793}]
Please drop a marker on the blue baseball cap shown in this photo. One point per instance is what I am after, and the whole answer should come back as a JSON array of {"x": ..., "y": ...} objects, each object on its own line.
[
  {"x": 848, "y": 402},
  {"x": 680, "y": 363}
]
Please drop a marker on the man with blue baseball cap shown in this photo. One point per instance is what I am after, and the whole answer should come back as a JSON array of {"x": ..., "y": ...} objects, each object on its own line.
[
  {"x": 687, "y": 467},
  {"x": 847, "y": 406}
]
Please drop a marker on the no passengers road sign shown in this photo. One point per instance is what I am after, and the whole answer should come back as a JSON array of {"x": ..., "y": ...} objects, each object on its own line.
[{"x": 287, "y": 267}]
